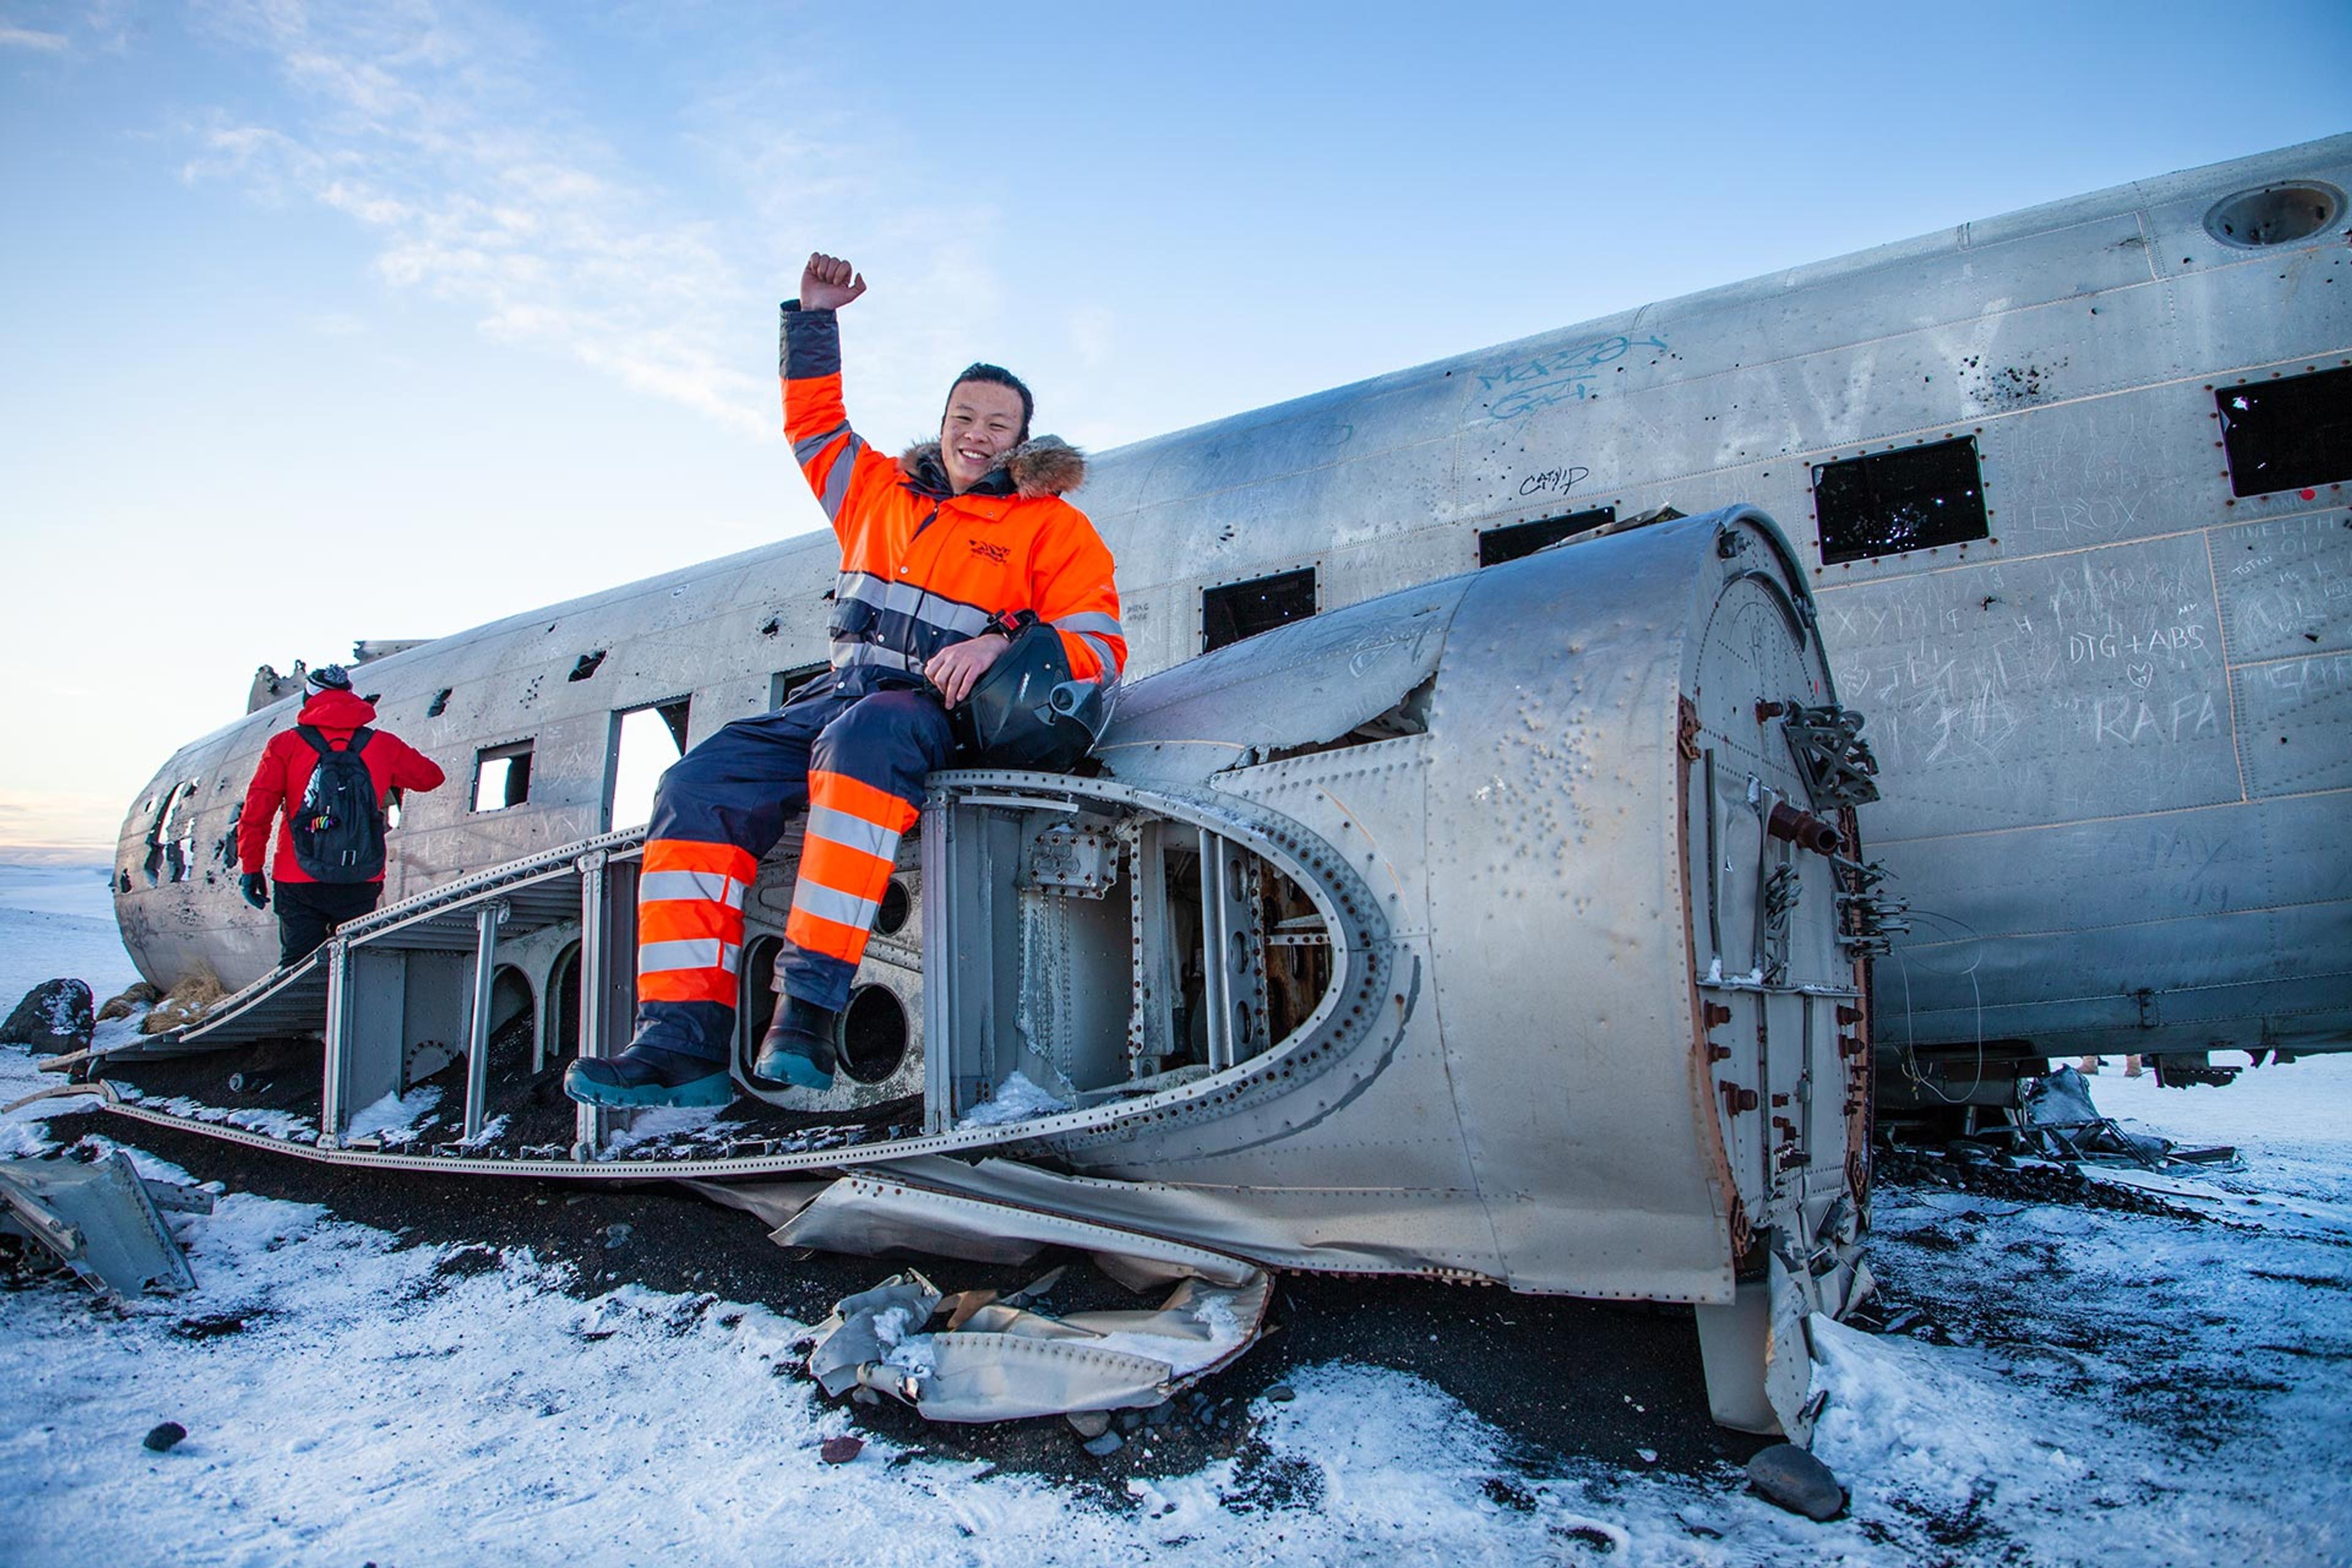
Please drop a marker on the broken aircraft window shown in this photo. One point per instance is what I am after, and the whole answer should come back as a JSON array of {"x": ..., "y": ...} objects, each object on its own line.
[
  {"x": 1914, "y": 499},
  {"x": 502, "y": 777},
  {"x": 2290, "y": 433},
  {"x": 784, "y": 683},
  {"x": 1239, "y": 610},
  {"x": 171, "y": 842},
  {"x": 1496, "y": 545},
  {"x": 645, "y": 741}
]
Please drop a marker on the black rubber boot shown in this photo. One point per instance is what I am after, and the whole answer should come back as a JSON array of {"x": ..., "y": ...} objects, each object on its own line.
[
  {"x": 648, "y": 1075},
  {"x": 798, "y": 1049}
]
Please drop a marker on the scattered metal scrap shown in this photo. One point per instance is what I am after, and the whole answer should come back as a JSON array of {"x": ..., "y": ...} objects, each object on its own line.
[
  {"x": 2061, "y": 1123},
  {"x": 102, "y": 1221}
]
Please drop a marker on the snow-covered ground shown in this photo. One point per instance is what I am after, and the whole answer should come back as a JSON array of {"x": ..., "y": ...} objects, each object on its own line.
[{"x": 2084, "y": 1386}]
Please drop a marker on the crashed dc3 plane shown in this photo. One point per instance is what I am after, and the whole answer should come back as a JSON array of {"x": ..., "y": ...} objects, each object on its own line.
[{"x": 1447, "y": 904}]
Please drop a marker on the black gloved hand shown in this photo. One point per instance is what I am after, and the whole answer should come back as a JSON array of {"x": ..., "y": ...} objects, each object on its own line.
[{"x": 255, "y": 888}]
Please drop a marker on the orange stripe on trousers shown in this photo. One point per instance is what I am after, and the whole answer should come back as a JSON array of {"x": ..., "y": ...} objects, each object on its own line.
[
  {"x": 843, "y": 870},
  {"x": 687, "y": 985},
  {"x": 674, "y": 919},
  {"x": 843, "y": 793},
  {"x": 693, "y": 855},
  {"x": 814, "y": 933}
]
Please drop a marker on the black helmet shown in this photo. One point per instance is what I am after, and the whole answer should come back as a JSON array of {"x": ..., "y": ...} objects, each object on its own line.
[{"x": 1026, "y": 710}]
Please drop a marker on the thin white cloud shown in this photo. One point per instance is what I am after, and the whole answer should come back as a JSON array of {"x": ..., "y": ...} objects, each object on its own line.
[
  {"x": 488, "y": 188},
  {"x": 28, "y": 38}
]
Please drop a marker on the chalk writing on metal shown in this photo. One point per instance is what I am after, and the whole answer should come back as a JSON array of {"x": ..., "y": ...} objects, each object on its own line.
[{"x": 1565, "y": 375}]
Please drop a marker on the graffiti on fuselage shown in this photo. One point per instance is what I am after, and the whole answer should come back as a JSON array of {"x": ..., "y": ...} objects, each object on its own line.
[{"x": 1565, "y": 375}]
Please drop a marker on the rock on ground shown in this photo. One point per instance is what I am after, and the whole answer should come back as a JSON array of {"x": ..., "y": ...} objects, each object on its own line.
[
  {"x": 55, "y": 1015},
  {"x": 1793, "y": 1479}
]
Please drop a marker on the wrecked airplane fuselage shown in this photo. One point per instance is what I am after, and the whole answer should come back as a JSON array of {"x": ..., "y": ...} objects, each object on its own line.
[{"x": 1495, "y": 930}]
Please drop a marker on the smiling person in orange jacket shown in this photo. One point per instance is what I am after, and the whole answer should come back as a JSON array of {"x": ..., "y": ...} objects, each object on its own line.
[{"x": 939, "y": 549}]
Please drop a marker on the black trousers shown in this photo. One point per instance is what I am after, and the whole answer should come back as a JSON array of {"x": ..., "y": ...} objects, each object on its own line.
[{"x": 309, "y": 911}]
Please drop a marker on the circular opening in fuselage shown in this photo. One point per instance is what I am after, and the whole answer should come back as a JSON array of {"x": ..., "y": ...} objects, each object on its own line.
[
  {"x": 873, "y": 1034},
  {"x": 896, "y": 907},
  {"x": 2274, "y": 214}
]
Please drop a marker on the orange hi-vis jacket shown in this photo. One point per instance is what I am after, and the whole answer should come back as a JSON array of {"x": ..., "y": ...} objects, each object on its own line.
[{"x": 923, "y": 567}]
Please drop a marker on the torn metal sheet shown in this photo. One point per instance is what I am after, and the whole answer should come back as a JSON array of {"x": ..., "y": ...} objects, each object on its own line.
[
  {"x": 1002, "y": 1362},
  {"x": 101, "y": 1221},
  {"x": 1258, "y": 1226},
  {"x": 999, "y": 1360}
]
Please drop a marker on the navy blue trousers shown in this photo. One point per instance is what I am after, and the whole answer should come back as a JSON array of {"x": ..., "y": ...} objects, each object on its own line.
[{"x": 855, "y": 761}]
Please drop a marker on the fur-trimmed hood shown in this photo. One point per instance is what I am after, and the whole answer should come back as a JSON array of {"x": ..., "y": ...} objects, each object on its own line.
[{"x": 1041, "y": 466}]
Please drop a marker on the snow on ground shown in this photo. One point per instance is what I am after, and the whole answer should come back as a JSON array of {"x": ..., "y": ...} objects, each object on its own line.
[{"x": 2081, "y": 1385}]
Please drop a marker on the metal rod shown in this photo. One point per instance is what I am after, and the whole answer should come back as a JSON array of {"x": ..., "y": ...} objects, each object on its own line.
[
  {"x": 939, "y": 939},
  {"x": 332, "y": 1113},
  {"x": 1215, "y": 994},
  {"x": 487, "y": 921},
  {"x": 587, "y": 1125},
  {"x": 1714, "y": 896}
]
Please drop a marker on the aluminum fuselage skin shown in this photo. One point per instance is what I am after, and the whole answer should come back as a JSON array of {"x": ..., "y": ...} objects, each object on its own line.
[{"x": 2113, "y": 734}]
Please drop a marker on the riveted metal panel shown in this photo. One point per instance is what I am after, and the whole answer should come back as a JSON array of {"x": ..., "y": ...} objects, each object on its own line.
[{"x": 2296, "y": 720}]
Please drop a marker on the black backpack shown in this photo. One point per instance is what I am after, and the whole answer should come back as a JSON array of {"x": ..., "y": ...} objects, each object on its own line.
[{"x": 338, "y": 830}]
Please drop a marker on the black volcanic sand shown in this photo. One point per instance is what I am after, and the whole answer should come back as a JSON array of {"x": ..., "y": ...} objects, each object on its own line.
[
  {"x": 1563, "y": 1380},
  {"x": 285, "y": 1075}
]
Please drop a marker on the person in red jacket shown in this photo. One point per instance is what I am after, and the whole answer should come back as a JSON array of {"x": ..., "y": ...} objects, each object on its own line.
[
  {"x": 310, "y": 907},
  {"x": 945, "y": 552}
]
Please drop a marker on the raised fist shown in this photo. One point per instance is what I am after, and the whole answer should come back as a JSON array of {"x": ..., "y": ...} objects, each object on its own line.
[{"x": 827, "y": 283}]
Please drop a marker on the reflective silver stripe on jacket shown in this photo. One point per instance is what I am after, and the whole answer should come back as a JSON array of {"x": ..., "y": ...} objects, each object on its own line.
[
  {"x": 837, "y": 479},
  {"x": 804, "y": 452},
  {"x": 916, "y": 604},
  {"x": 846, "y": 654}
]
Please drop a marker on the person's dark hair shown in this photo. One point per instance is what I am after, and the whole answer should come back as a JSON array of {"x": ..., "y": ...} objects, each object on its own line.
[{"x": 996, "y": 375}]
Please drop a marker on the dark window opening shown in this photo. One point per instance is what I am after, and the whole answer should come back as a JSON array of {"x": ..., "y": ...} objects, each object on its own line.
[
  {"x": 1240, "y": 610},
  {"x": 873, "y": 1035},
  {"x": 502, "y": 777},
  {"x": 587, "y": 664},
  {"x": 645, "y": 741},
  {"x": 563, "y": 984},
  {"x": 896, "y": 905},
  {"x": 440, "y": 702},
  {"x": 1496, "y": 545},
  {"x": 1886, "y": 503},
  {"x": 2290, "y": 433},
  {"x": 226, "y": 848},
  {"x": 784, "y": 683}
]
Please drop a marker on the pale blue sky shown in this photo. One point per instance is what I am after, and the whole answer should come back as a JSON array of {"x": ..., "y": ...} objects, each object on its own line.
[{"x": 328, "y": 320}]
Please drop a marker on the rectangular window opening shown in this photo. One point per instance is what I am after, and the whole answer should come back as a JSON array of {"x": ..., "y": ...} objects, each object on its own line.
[
  {"x": 1239, "y": 610},
  {"x": 1889, "y": 502},
  {"x": 1496, "y": 545},
  {"x": 645, "y": 741},
  {"x": 2295, "y": 432},
  {"x": 502, "y": 776},
  {"x": 784, "y": 683}
]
